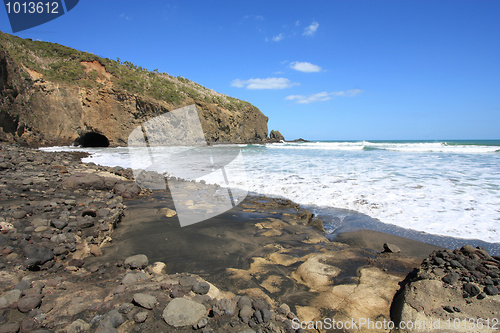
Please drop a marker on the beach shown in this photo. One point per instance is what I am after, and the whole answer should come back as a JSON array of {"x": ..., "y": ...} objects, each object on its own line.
[
  {"x": 70, "y": 228},
  {"x": 438, "y": 192}
]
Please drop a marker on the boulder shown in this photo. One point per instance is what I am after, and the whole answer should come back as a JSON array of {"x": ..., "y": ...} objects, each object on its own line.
[{"x": 183, "y": 312}]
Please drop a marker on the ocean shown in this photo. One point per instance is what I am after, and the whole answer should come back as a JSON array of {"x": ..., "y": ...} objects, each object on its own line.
[{"x": 410, "y": 188}]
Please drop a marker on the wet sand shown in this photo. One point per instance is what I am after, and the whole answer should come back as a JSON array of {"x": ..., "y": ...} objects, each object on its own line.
[{"x": 231, "y": 251}]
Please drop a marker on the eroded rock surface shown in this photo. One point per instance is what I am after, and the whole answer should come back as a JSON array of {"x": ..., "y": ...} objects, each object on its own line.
[
  {"x": 39, "y": 111},
  {"x": 456, "y": 289}
]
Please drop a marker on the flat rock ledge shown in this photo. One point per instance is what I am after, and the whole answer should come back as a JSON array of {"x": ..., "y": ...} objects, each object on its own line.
[{"x": 452, "y": 291}]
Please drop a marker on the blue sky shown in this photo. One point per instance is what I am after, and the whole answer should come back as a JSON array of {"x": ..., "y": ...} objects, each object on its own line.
[{"x": 340, "y": 70}]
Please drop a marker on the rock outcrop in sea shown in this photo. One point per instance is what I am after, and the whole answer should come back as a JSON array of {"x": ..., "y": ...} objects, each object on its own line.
[
  {"x": 54, "y": 95},
  {"x": 276, "y": 136}
]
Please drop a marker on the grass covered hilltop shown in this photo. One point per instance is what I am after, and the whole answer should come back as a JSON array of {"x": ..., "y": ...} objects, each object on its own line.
[
  {"x": 54, "y": 94},
  {"x": 63, "y": 64}
]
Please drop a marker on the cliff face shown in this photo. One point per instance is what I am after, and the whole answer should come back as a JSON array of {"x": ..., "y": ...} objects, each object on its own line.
[{"x": 53, "y": 97}]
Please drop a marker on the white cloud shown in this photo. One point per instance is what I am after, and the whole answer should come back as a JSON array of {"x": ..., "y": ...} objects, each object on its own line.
[
  {"x": 302, "y": 99},
  {"x": 311, "y": 30},
  {"x": 267, "y": 83},
  {"x": 305, "y": 67},
  {"x": 347, "y": 93},
  {"x": 277, "y": 38},
  {"x": 322, "y": 96}
]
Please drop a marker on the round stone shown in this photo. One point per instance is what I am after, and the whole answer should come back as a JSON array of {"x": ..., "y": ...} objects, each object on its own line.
[
  {"x": 138, "y": 261},
  {"x": 201, "y": 288},
  {"x": 183, "y": 312},
  {"x": 19, "y": 214}
]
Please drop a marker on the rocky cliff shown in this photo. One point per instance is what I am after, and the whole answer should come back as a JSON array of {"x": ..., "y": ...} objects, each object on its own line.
[{"x": 54, "y": 95}]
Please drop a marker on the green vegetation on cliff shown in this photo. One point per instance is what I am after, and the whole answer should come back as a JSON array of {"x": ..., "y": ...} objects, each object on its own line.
[{"x": 59, "y": 63}]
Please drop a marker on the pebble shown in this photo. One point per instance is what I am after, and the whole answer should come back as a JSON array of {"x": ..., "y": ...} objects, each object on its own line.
[
  {"x": 10, "y": 328},
  {"x": 19, "y": 214},
  {"x": 266, "y": 315},
  {"x": 481, "y": 295},
  {"x": 158, "y": 268},
  {"x": 491, "y": 290},
  {"x": 95, "y": 250},
  {"x": 28, "y": 303},
  {"x": 133, "y": 278},
  {"x": 471, "y": 289},
  {"x": 113, "y": 319},
  {"x": 391, "y": 248},
  {"x": 225, "y": 307},
  {"x": 119, "y": 289},
  {"x": 284, "y": 309},
  {"x": 145, "y": 300},
  {"x": 39, "y": 222},
  {"x": 78, "y": 326},
  {"x": 138, "y": 261},
  {"x": 244, "y": 300},
  {"x": 439, "y": 261},
  {"x": 451, "y": 278},
  {"x": 10, "y": 298},
  {"x": 141, "y": 317},
  {"x": 201, "y": 323},
  {"x": 187, "y": 281},
  {"x": 76, "y": 262},
  {"x": 448, "y": 309},
  {"x": 246, "y": 313},
  {"x": 59, "y": 224},
  {"x": 201, "y": 288},
  {"x": 177, "y": 291}
]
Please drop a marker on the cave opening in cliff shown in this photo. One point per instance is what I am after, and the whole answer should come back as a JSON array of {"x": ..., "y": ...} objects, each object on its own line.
[{"x": 93, "y": 139}]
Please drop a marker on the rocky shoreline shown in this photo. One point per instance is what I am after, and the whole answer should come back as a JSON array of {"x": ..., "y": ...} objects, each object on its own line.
[{"x": 69, "y": 264}]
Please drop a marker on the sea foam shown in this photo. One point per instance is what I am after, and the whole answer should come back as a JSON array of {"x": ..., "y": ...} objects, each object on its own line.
[{"x": 448, "y": 189}]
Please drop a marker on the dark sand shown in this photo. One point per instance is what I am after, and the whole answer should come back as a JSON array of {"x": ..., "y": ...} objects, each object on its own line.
[{"x": 232, "y": 241}]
